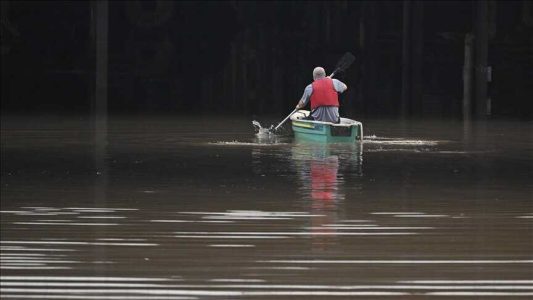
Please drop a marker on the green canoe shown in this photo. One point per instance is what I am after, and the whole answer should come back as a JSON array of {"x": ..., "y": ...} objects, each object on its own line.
[{"x": 347, "y": 131}]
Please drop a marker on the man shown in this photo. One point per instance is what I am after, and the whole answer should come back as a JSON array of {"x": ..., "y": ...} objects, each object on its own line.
[{"x": 323, "y": 93}]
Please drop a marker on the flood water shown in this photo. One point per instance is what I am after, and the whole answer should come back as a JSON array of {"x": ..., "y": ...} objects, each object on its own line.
[{"x": 202, "y": 208}]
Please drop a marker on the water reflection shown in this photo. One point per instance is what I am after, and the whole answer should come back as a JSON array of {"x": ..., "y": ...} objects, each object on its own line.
[
  {"x": 101, "y": 182},
  {"x": 322, "y": 171},
  {"x": 175, "y": 216}
]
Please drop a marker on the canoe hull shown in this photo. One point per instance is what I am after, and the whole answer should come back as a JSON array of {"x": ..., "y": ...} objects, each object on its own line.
[{"x": 348, "y": 131}]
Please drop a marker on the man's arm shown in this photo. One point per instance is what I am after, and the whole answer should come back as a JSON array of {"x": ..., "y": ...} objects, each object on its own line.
[
  {"x": 339, "y": 86},
  {"x": 305, "y": 97}
]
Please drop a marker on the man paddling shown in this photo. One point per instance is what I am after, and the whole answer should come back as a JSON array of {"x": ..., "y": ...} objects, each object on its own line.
[{"x": 323, "y": 93}]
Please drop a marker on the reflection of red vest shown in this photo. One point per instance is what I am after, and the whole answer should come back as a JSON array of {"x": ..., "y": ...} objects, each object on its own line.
[
  {"x": 324, "y": 93},
  {"x": 324, "y": 179}
]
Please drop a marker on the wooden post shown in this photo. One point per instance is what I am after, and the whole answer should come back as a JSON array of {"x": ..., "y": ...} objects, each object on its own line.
[{"x": 467, "y": 77}]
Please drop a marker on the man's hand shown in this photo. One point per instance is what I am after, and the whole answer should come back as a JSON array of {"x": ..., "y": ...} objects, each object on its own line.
[{"x": 299, "y": 105}]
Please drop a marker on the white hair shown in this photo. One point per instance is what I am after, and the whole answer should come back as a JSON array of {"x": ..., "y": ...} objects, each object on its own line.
[{"x": 318, "y": 73}]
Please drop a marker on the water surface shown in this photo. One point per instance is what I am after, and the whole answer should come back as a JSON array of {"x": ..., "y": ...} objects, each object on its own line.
[{"x": 202, "y": 208}]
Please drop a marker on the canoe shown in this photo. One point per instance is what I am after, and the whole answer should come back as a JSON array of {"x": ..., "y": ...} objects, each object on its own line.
[{"x": 347, "y": 131}]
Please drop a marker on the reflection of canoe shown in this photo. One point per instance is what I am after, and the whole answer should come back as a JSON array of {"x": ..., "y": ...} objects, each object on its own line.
[{"x": 347, "y": 130}]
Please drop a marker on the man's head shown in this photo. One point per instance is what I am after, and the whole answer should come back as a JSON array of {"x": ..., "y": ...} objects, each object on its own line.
[{"x": 318, "y": 73}]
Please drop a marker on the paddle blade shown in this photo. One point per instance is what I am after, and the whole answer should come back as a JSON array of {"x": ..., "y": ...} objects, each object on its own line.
[{"x": 346, "y": 60}]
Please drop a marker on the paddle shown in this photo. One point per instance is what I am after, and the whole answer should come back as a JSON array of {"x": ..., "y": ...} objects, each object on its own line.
[
  {"x": 346, "y": 60},
  {"x": 281, "y": 123}
]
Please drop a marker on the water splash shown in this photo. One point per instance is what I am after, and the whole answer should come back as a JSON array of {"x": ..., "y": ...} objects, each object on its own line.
[{"x": 260, "y": 130}]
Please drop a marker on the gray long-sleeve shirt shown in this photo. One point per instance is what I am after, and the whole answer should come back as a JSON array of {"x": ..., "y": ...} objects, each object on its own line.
[{"x": 324, "y": 113}]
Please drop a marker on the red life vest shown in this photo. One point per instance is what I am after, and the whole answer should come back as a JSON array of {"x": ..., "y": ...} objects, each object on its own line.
[{"x": 324, "y": 93}]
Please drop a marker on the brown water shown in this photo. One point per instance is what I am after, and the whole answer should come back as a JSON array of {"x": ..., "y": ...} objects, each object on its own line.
[{"x": 161, "y": 208}]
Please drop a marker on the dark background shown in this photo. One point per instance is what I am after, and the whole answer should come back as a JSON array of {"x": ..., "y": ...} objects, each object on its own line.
[{"x": 254, "y": 57}]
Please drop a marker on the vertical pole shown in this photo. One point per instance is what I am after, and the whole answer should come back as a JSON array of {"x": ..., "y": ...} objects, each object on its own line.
[
  {"x": 467, "y": 77},
  {"x": 244, "y": 74},
  {"x": 99, "y": 28},
  {"x": 5, "y": 48},
  {"x": 368, "y": 45},
  {"x": 234, "y": 66},
  {"x": 417, "y": 57},
  {"x": 100, "y": 25},
  {"x": 327, "y": 23},
  {"x": 406, "y": 63},
  {"x": 481, "y": 55},
  {"x": 372, "y": 54},
  {"x": 361, "y": 91}
]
